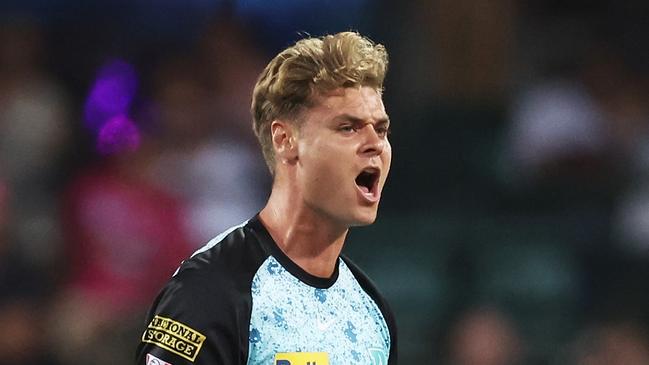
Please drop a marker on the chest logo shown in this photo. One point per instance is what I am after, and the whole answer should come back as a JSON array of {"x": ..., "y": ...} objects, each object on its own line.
[
  {"x": 301, "y": 358},
  {"x": 174, "y": 336}
]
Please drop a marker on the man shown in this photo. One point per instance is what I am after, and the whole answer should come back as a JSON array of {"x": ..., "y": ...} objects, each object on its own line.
[{"x": 276, "y": 290}]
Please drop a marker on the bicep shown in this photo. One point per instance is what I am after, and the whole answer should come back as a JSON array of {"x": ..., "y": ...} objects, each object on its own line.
[{"x": 190, "y": 325}]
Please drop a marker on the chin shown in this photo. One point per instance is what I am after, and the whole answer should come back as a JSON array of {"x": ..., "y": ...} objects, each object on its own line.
[{"x": 364, "y": 219}]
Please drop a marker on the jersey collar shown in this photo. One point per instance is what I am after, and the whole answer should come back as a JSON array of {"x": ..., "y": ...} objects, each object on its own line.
[{"x": 271, "y": 247}]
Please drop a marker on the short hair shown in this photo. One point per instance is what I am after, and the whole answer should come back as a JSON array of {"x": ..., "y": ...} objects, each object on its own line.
[{"x": 312, "y": 66}]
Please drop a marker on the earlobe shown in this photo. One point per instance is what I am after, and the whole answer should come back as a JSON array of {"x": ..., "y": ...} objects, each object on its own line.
[{"x": 283, "y": 138}]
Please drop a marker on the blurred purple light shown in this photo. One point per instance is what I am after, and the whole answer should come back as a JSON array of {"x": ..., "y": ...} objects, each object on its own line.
[
  {"x": 111, "y": 94},
  {"x": 119, "y": 134}
]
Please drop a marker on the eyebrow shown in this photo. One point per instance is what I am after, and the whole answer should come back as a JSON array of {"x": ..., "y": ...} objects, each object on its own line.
[{"x": 356, "y": 120}]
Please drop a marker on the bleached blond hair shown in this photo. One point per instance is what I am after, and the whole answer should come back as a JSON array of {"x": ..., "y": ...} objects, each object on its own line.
[{"x": 309, "y": 67}]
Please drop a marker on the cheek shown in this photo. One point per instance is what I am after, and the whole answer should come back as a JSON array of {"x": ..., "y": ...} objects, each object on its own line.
[
  {"x": 325, "y": 176},
  {"x": 325, "y": 165},
  {"x": 326, "y": 171},
  {"x": 387, "y": 157},
  {"x": 317, "y": 167},
  {"x": 320, "y": 158}
]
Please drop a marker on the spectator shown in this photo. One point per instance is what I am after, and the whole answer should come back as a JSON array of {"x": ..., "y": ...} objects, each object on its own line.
[
  {"x": 614, "y": 343},
  {"x": 33, "y": 132},
  {"x": 210, "y": 158},
  {"x": 484, "y": 336},
  {"x": 23, "y": 298},
  {"x": 125, "y": 238}
]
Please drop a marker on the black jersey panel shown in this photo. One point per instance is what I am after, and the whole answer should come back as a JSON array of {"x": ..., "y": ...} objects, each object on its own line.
[{"x": 202, "y": 316}]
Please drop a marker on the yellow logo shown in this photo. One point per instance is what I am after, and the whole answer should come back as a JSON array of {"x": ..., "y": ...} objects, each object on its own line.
[
  {"x": 301, "y": 358},
  {"x": 174, "y": 336}
]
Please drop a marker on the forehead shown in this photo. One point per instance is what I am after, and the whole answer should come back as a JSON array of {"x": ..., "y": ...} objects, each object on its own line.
[{"x": 363, "y": 103}]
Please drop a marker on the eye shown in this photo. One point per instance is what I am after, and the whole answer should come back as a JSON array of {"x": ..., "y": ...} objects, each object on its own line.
[
  {"x": 383, "y": 131},
  {"x": 347, "y": 128}
]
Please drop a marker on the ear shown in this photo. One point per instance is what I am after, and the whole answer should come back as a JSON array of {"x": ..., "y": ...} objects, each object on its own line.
[{"x": 283, "y": 135}]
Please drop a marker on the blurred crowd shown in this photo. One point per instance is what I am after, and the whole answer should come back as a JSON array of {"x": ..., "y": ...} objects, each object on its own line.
[
  {"x": 512, "y": 123},
  {"x": 170, "y": 162}
]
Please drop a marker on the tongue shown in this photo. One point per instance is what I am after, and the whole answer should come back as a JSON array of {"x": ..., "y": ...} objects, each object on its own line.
[{"x": 364, "y": 189}]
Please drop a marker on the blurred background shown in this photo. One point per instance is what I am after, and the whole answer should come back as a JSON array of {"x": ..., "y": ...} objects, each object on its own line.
[{"x": 514, "y": 228}]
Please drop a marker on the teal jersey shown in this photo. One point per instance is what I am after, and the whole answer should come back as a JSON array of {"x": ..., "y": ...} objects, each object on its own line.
[
  {"x": 241, "y": 300},
  {"x": 289, "y": 315}
]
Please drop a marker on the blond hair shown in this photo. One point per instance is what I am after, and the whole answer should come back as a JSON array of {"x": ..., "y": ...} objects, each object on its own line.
[{"x": 310, "y": 66}]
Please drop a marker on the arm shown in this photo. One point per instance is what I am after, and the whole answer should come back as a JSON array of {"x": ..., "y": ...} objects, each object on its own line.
[{"x": 196, "y": 320}]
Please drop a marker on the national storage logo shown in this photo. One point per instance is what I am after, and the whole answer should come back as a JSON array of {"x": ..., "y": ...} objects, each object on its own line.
[{"x": 174, "y": 336}]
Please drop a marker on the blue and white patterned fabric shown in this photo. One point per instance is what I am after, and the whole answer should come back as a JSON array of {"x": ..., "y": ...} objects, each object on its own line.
[{"x": 291, "y": 316}]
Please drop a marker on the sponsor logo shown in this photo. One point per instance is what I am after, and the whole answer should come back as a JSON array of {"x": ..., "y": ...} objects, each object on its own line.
[
  {"x": 152, "y": 360},
  {"x": 174, "y": 336},
  {"x": 323, "y": 326},
  {"x": 301, "y": 358},
  {"x": 378, "y": 356}
]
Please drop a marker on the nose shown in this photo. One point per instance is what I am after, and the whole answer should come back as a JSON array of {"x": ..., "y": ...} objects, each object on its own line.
[{"x": 373, "y": 144}]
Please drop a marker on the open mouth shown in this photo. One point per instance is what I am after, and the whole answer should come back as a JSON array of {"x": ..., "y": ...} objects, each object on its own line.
[{"x": 367, "y": 181}]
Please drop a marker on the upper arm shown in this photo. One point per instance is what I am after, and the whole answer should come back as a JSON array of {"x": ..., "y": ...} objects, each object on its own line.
[{"x": 196, "y": 321}]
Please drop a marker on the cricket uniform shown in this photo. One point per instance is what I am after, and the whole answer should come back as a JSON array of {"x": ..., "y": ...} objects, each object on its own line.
[{"x": 241, "y": 300}]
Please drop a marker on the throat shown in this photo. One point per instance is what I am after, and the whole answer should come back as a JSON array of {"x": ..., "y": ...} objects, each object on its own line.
[
  {"x": 316, "y": 256},
  {"x": 307, "y": 242}
]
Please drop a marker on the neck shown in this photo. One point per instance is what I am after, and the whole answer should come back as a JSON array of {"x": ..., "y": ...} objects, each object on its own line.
[{"x": 307, "y": 237}]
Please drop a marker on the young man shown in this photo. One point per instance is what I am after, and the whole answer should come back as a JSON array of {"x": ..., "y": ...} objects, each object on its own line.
[{"x": 276, "y": 290}]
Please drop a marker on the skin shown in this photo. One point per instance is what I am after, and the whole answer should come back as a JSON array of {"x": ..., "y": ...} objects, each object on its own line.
[{"x": 315, "y": 198}]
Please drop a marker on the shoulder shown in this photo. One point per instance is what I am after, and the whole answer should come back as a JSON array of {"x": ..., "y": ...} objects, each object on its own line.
[
  {"x": 372, "y": 290},
  {"x": 218, "y": 275},
  {"x": 363, "y": 279},
  {"x": 235, "y": 253},
  {"x": 207, "y": 300},
  {"x": 368, "y": 286}
]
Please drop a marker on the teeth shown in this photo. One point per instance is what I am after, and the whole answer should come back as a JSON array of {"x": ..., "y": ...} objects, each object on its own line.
[{"x": 367, "y": 179}]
